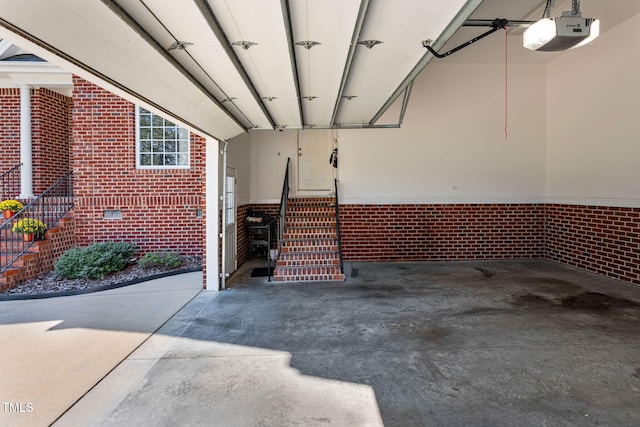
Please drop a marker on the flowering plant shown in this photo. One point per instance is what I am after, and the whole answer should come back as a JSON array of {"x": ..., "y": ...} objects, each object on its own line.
[
  {"x": 29, "y": 226},
  {"x": 10, "y": 205}
]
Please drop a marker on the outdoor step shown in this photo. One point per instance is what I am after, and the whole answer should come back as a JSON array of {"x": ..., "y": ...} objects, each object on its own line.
[{"x": 307, "y": 249}]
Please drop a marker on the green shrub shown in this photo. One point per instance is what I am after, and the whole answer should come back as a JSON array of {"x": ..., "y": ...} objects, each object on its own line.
[
  {"x": 160, "y": 259},
  {"x": 95, "y": 261}
]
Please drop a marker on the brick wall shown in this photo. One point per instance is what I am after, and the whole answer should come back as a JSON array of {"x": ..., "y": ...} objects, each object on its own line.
[
  {"x": 9, "y": 128},
  {"x": 51, "y": 113},
  {"x": 441, "y": 232},
  {"x": 42, "y": 255},
  {"x": 604, "y": 240},
  {"x": 158, "y": 206}
]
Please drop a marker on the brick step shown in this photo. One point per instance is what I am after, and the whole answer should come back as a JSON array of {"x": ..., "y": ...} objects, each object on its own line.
[
  {"x": 311, "y": 212},
  {"x": 310, "y": 201},
  {"x": 310, "y": 222},
  {"x": 307, "y": 249},
  {"x": 310, "y": 234},
  {"x": 310, "y": 242},
  {"x": 308, "y": 259},
  {"x": 308, "y": 273}
]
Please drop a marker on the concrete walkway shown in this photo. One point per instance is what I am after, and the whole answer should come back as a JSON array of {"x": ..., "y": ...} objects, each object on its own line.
[
  {"x": 55, "y": 350},
  {"x": 406, "y": 344}
]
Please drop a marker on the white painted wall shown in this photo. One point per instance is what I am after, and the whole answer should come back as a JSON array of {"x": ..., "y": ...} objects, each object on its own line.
[
  {"x": 450, "y": 149},
  {"x": 452, "y": 146},
  {"x": 593, "y": 121},
  {"x": 573, "y": 134},
  {"x": 268, "y": 159}
]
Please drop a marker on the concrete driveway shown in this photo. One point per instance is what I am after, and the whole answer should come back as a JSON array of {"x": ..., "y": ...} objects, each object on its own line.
[
  {"x": 437, "y": 344},
  {"x": 55, "y": 350}
]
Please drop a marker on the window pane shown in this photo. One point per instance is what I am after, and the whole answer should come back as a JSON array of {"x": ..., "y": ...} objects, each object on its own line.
[
  {"x": 145, "y": 120},
  {"x": 161, "y": 142},
  {"x": 157, "y": 120},
  {"x": 170, "y": 146},
  {"x": 145, "y": 133},
  {"x": 170, "y": 160}
]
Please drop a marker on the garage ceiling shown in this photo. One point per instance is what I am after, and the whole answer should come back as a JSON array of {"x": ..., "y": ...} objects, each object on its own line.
[{"x": 226, "y": 66}]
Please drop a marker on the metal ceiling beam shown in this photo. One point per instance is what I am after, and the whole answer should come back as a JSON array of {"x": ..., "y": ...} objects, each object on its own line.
[
  {"x": 464, "y": 13},
  {"x": 213, "y": 23},
  {"x": 127, "y": 19},
  {"x": 286, "y": 15},
  {"x": 364, "y": 5},
  {"x": 405, "y": 102}
]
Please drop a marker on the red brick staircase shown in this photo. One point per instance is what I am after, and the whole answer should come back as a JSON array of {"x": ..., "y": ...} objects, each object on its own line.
[
  {"x": 38, "y": 258},
  {"x": 309, "y": 249}
]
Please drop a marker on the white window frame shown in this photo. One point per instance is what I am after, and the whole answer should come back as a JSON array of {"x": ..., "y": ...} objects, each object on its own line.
[{"x": 147, "y": 167}]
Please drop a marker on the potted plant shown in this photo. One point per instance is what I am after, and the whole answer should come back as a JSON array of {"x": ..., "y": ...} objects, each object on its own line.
[
  {"x": 29, "y": 227},
  {"x": 10, "y": 207}
]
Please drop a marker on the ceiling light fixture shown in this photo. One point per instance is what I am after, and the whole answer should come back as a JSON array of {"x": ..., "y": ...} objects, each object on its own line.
[
  {"x": 565, "y": 32},
  {"x": 349, "y": 97},
  {"x": 179, "y": 45},
  {"x": 308, "y": 44},
  {"x": 244, "y": 44},
  {"x": 310, "y": 98},
  {"x": 269, "y": 98},
  {"x": 370, "y": 43}
]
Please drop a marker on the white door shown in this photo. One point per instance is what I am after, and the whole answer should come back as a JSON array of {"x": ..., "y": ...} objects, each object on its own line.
[
  {"x": 231, "y": 246},
  {"x": 314, "y": 171}
]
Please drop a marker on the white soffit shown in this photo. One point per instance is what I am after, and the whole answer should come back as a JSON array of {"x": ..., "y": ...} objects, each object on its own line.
[{"x": 376, "y": 72}]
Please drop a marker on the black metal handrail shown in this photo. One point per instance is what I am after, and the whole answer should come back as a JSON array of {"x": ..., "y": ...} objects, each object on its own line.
[
  {"x": 335, "y": 183},
  {"x": 48, "y": 208},
  {"x": 10, "y": 183},
  {"x": 284, "y": 201}
]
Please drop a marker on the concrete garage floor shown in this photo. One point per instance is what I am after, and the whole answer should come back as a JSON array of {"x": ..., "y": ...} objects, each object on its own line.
[{"x": 409, "y": 344}]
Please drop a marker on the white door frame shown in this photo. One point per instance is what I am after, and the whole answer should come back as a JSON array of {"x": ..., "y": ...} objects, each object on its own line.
[
  {"x": 231, "y": 230},
  {"x": 323, "y": 160}
]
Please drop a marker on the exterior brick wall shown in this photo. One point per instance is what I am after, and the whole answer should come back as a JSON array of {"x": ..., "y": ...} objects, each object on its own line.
[
  {"x": 441, "y": 232},
  {"x": 9, "y": 128},
  {"x": 604, "y": 240},
  {"x": 51, "y": 114},
  {"x": 158, "y": 206}
]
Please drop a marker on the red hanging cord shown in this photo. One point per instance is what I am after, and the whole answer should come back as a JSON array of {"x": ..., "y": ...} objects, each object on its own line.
[{"x": 506, "y": 84}]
